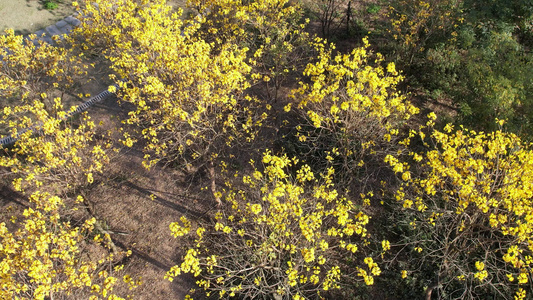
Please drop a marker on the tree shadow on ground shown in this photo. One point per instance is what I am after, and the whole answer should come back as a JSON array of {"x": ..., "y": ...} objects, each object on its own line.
[{"x": 172, "y": 203}]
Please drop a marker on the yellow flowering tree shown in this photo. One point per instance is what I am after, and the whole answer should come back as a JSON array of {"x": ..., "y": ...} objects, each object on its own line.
[
  {"x": 53, "y": 155},
  {"x": 46, "y": 149},
  {"x": 283, "y": 235},
  {"x": 467, "y": 212},
  {"x": 188, "y": 94},
  {"x": 28, "y": 70},
  {"x": 273, "y": 30},
  {"x": 352, "y": 109},
  {"x": 417, "y": 24},
  {"x": 41, "y": 257},
  {"x": 245, "y": 21}
]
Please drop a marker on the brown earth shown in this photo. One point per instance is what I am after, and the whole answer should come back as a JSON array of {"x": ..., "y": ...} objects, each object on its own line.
[
  {"x": 121, "y": 199},
  {"x": 28, "y": 16}
]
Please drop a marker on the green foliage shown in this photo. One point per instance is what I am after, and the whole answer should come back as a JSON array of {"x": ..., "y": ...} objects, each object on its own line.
[
  {"x": 499, "y": 80},
  {"x": 417, "y": 26},
  {"x": 51, "y": 4},
  {"x": 373, "y": 8},
  {"x": 490, "y": 78},
  {"x": 515, "y": 12},
  {"x": 473, "y": 54}
]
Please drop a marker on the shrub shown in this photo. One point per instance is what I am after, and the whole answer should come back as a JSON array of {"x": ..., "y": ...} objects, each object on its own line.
[{"x": 51, "y": 4}]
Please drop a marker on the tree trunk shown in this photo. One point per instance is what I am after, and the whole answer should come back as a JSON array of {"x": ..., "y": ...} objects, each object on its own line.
[
  {"x": 430, "y": 290},
  {"x": 348, "y": 16},
  {"x": 213, "y": 183}
]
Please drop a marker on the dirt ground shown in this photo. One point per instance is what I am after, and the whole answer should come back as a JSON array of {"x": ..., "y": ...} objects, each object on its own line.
[
  {"x": 123, "y": 199},
  {"x": 28, "y": 16}
]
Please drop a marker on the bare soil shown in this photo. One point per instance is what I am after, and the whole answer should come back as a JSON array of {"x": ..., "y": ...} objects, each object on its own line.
[
  {"x": 121, "y": 199},
  {"x": 28, "y": 16}
]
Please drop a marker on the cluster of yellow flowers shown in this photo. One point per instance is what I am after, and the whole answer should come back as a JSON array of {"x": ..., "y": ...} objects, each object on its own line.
[
  {"x": 41, "y": 258},
  {"x": 353, "y": 106},
  {"x": 273, "y": 30},
  {"x": 60, "y": 156},
  {"x": 42, "y": 254},
  {"x": 232, "y": 19},
  {"x": 481, "y": 183},
  {"x": 25, "y": 67},
  {"x": 52, "y": 152},
  {"x": 188, "y": 93},
  {"x": 414, "y": 22},
  {"x": 291, "y": 232}
]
